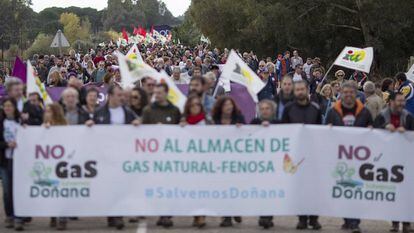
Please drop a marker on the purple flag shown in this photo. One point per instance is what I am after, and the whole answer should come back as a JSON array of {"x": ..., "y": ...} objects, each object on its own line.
[{"x": 19, "y": 69}]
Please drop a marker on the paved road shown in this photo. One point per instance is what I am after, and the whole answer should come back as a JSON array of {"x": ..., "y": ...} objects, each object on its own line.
[{"x": 183, "y": 225}]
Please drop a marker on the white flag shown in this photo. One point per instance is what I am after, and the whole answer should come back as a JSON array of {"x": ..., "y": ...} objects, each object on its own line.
[
  {"x": 134, "y": 53},
  {"x": 356, "y": 58},
  {"x": 239, "y": 72},
  {"x": 205, "y": 39},
  {"x": 127, "y": 78},
  {"x": 34, "y": 85},
  {"x": 175, "y": 96},
  {"x": 410, "y": 74},
  {"x": 132, "y": 71}
]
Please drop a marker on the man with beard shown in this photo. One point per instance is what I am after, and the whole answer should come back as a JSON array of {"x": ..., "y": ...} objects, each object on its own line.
[
  {"x": 284, "y": 96},
  {"x": 198, "y": 86},
  {"x": 349, "y": 111},
  {"x": 302, "y": 110},
  {"x": 396, "y": 119}
]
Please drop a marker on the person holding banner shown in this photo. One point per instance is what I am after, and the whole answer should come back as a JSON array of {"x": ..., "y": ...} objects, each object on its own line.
[
  {"x": 114, "y": 113},
  {"x": 194, "y": 114},
  {"x": 91, "y": 105},
  {"x": 302, "y": 110},
  {"x": 162, "y": 111},
  {"x": 53, "y": 116},
  {"x": 267, "y": 116},
  {"x": 226, "y": 112},
  {"x": 349, "y": 111},
  {"x": 396, "y": 119},
  {"x": 9, "y": 123}
]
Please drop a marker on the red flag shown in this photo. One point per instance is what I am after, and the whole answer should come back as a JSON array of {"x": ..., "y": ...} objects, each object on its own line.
[
  {"x": 125, "y": 35},
  {"x": 142, "y": 31}
]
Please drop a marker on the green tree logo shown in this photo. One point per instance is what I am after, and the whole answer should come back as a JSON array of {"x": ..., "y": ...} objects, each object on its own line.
[{"x": 345, "y": 174}]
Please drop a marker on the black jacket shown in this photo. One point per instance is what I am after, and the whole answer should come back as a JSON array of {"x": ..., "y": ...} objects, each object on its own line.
[
  {"x": 363, "y": 117},
  {"x": 306, "y": 114},
  {"x": 384, "y": 118},
  {"x": 281, "y": 100},
  {"x": 103, "y": 116},
  {"x": 35, "y": 114}
]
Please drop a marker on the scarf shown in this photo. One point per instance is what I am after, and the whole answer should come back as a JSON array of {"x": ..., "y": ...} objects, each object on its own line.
[{"x": 193, "y": 120}]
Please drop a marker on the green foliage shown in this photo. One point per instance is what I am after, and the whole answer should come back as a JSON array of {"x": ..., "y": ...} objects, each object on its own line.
[
  {"x": 187, "y": 32},
  {"x": 41, "y": 45},
  {"x": 316, "y": 28},
  {"x": 129, "y": 13},
  {"x": 73, "y": 29},
  {"x": 71, "y": 26},
  {"x": 16, "y": 18},
  {"x": 13, "y": 51}
]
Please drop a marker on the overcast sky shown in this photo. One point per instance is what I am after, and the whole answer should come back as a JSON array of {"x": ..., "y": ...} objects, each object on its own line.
[{"x": 177, "y": 7}]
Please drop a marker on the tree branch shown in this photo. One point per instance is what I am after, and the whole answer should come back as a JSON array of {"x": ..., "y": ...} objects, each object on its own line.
[
  {"x": 344, "y": 8},
  {"x": 345, "y": 26},
  {"x": 307, "y": 11}
]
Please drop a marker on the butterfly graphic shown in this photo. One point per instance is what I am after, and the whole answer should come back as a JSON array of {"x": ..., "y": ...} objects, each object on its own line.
[{"x": 288, "y": 165}]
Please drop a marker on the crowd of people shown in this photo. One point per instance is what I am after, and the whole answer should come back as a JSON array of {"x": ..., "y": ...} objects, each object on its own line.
[{"x": 295, "y": 92}]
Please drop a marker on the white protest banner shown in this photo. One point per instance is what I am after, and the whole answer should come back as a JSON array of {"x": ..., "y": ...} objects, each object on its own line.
[
  {"x": 356, "y": 58},
  {"x": 237, "y": 71},
  {"x": 214, "y": 170}
]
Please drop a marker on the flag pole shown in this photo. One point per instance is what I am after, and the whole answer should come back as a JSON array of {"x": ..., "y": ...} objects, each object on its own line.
[{"x": 326, "y": 74}]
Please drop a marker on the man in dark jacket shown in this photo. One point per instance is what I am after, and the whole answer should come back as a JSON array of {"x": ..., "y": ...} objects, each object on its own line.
[
  {"x": 161, "y": 112},
  {"x": 396, "y": 118},
  {"x": 302, "y": 110},
  {"x": 349, "y": 111},
  {"x": 284, "y": 96},
  {"x": 33, "y": 110},
  {"x": 114, "y": 113}
]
